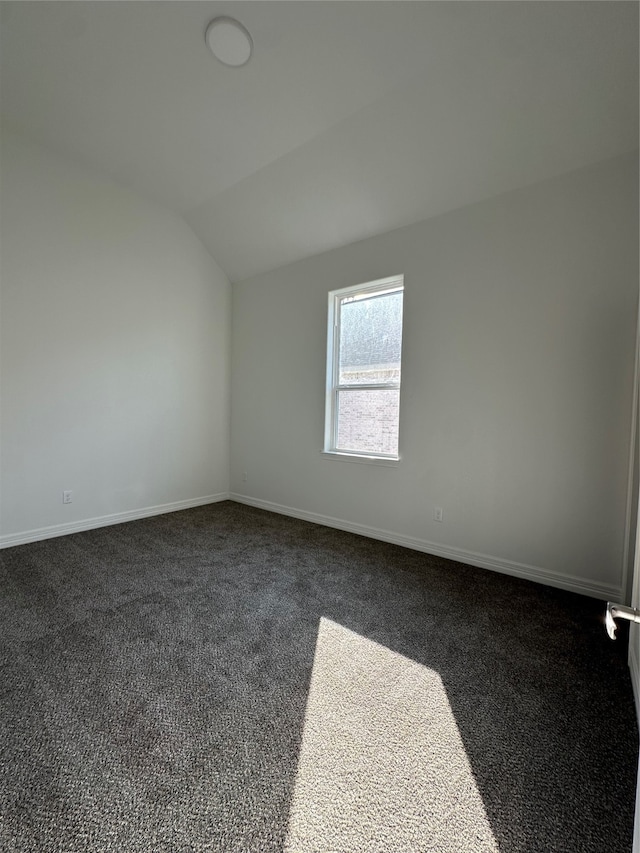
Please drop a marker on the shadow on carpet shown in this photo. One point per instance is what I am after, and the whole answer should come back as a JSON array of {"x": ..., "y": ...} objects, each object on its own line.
[{"x": 227, "y": 679}]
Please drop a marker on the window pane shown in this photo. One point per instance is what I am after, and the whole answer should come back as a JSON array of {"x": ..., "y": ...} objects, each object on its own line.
[
  {"x": 370, "y": 339},
  {"x": 368, "y": 421}
]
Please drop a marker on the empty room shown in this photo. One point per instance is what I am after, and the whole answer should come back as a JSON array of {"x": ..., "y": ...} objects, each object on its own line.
[{"x": 319, "y": 435}]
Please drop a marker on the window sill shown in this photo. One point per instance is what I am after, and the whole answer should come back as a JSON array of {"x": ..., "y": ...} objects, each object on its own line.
[{"x": 387, "y": 461}]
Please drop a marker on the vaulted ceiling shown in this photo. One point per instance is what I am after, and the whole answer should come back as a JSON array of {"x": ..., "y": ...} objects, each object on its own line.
[{"x": 352, "y": 118}]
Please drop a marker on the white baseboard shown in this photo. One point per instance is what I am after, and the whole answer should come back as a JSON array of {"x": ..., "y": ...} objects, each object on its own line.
[
  {"x": 11, "y": 539},
  {"x": 472, "y": 558},
  {"x": 496, "y": 564}
]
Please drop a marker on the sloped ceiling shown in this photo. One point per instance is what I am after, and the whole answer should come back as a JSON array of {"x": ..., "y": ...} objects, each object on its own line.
[{"x": 352, "y": 118}]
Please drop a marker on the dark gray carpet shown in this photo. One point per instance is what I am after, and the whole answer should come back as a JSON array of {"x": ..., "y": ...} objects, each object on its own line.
[{"x": 156, "y": 677}]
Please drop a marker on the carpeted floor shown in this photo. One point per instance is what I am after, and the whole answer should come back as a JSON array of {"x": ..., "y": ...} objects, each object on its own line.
[{"x": 226, "y": 679}]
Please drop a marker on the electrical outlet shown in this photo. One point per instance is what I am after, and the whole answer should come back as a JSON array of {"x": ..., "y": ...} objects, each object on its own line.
[
  {"x": 437, "y": 513},
  {"x": 67, "y": 497},
  {"x": 244, "y": 476}
]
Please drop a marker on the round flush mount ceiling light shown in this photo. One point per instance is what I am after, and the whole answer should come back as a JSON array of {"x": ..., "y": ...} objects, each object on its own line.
[{"x": 229, "y": 41}]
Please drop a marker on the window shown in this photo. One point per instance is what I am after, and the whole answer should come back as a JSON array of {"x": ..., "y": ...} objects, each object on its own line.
[{"x": 364, "y": 344}]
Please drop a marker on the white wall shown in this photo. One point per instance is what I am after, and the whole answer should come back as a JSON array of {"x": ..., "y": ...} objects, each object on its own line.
[
  {"x": 517, "y": 382},
  {"x": 518, "y": 363},
  {"x": 115, "y": 351}
]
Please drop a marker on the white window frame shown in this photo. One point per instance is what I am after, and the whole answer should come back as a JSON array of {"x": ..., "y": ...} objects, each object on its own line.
[{"x": 393, "y": 284}]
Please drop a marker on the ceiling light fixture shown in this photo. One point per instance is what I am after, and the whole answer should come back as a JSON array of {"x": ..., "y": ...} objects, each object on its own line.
[{"x": 229, "y": 41}]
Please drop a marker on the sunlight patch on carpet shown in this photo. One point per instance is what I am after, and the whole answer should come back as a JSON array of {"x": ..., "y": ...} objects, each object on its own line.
[{"x": 382, "y": 766}]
